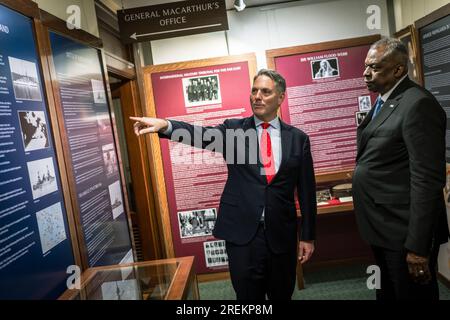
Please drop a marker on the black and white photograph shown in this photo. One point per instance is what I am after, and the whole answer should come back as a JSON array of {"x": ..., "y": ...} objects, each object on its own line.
[
  {"x": 200, "y": 91},
  {"x": 325, "y": 68},
  {"x": 42, "y": 177},
  {"x": 360, "y": 117},
  {"x": 215, "y": 253},
  {"x": 34, "y": 130},
  {"x": 197, "y": 223},
  {"x": 103, "y": 123},
  {"x": 115, "y": 196},
  {"x": 110, "y": 159},
  {"x": 98, "y": 91},
  {"x": 51, "y": 226},
  {"x": 364, "y": 103},
  {"x": 25, "y": 79}
]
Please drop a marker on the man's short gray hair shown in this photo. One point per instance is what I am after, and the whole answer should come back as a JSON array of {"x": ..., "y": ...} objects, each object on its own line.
[
  {"x": 280, "y": 82},
  {"x": 393, "y": 49}
]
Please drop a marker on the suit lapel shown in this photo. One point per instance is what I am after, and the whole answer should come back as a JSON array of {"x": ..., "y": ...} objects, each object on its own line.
[{"x": 369, "y": 125}]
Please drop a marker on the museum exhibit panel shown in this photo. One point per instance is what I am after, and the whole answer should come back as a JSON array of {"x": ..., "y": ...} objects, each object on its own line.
[
  {"x": 433, "y": 49},
  {"x": 36, "y": 246}
]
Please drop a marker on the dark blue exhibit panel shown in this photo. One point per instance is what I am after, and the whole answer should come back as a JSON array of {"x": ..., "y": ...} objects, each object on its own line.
[
  {"x": 92, "y": 150},
  {"x": 35, "y": 246}
]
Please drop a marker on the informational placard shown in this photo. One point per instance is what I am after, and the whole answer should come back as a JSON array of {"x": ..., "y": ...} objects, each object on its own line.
[
  {"x": 93, "y": 155},
  {"x": 327, "y": 98},
  {"x": 195, "y": 178},
  {"x": 35, "y": 246},
  {"x": 434, "y": 44},
  {"x": 435, "y": 50}
]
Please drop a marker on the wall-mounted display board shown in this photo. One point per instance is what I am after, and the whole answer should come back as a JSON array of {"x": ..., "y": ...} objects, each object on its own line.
[
  {"x": 434, "y": 44},
  {"x": 326, "y": 97},
  {"x": 190, "y": 181},
  {"x": 35, "y": 240},
  {"x": 97, "y": 190},
  {"x": 408, "y": 36},
  {"x": 434, "y": 48}
]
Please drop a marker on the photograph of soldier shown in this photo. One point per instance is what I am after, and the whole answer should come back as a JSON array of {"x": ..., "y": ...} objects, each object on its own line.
[{"x": 201, "y": 90}]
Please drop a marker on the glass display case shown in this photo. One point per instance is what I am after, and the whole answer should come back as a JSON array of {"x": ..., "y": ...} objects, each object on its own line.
[{"x": 170, "y": 279}]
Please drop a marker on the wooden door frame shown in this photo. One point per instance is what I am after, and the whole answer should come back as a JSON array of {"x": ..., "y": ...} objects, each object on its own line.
[{"x": 148, "y": 223}]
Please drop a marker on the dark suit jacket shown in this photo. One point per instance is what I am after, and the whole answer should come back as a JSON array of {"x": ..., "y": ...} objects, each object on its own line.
[
  {"x": 246, "y": 192},
  {"x": 400, "y": 172}
]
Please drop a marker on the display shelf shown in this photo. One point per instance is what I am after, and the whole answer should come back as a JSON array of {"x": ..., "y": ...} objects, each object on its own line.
[{"x": 344, "y": 207}]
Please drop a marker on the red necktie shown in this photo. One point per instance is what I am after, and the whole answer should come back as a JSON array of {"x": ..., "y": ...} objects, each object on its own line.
[{"x": 266, "y": 153}]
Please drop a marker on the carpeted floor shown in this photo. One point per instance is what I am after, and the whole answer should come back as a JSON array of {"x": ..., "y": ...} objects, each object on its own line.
[{"x": 343, "y": 283}]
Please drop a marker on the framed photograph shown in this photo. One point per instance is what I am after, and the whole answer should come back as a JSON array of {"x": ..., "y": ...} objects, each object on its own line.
[
  {"x": 98, "y": 91},
  {"x": 197, "y": 223},
  {"x": 364, "y": 103},
  {"x": 115, "y": 196},
  {"x": 51, "y": 227},
  {"x": 360, "y": 116},
  {"x": 42, "y": 177},
  {"x": 110, "y": 159},
  {"x": 25, "y": 79},
  {"x": 200, "y": 91},
  {"x": 409, "y": 37},
  {"x": 215, "y": 253},
  {"x": 325, "y": 68},
  {"x": 33, "y": 126}
]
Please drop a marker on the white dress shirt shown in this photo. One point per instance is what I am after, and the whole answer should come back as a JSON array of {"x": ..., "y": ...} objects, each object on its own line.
[{"x": 386, "y": 96}]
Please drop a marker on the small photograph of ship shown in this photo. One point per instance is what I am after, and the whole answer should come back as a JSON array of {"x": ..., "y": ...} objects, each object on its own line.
[
  {"x": 25, "y": 79},
  {"x": 115, "y": 197},
  {"x": 42, "y": 177}
]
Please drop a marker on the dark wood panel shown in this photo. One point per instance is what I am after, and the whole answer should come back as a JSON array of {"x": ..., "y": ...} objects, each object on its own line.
[{"x": 26, "y": 7}]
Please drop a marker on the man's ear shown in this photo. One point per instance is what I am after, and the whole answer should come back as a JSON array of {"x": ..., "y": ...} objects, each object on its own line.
[
  {"x": 400, "y": 71},
  {"x": 281, "y": 98}
]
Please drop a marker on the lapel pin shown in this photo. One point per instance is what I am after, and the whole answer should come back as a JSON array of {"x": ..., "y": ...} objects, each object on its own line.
[{"x": 391, "y": 106}]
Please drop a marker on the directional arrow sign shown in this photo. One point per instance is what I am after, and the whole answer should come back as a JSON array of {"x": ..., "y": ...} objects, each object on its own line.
[{"x": 172, "y": 20}]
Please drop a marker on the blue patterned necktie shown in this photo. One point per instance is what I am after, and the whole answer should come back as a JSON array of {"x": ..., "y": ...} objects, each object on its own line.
[{"x": 378, "y": 105}]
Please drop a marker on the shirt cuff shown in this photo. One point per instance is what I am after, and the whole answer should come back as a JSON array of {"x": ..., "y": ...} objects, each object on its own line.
[{"x": 168, "y": 131}]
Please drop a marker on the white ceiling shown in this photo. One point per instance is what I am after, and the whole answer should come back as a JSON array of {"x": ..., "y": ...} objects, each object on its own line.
[{"x": 117, "y": 4}]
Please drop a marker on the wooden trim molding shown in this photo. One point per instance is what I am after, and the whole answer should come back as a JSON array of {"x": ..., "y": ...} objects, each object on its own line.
[{"x": 52, "y": 105}]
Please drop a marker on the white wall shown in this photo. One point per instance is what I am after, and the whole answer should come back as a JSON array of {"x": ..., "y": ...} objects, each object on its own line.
[
  {"x": 58, "y": 9},
  {"x": 408, "y": 11},
  {"x": 276, "y": 26}
]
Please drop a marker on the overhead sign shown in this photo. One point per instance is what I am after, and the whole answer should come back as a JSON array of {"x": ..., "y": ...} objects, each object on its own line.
[{"x": 172, "y": 20}]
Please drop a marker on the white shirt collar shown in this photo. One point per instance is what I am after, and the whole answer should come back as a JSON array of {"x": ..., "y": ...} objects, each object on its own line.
[
  {"x": 386, "y": 96},
  {"x": 275, "y": 123}
]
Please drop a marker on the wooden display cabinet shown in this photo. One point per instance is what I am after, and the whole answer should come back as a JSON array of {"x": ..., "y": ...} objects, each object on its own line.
[{"x": 170, "y": 279}]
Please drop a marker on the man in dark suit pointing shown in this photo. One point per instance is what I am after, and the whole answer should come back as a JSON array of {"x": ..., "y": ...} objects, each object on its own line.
[
  {"x": 400, "y": 175},
  {"x": 267, "y": 162}
]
